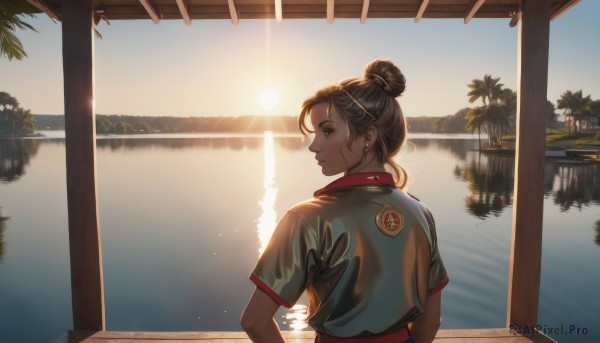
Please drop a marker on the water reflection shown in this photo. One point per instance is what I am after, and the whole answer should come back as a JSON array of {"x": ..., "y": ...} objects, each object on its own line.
[
  {"x": 597, "y": 239},
  {"x": 232, "y": 143},
  {"x": 490, "y": 181},
  {"x": 15, "y": 155},
  {"x": 296, "y": 318},
  {"x": 576, "y": 185},
  {"x": 3, "y": 221},
  {"x": 266, "y": 222},
  {"x": 457, "y": 147},
  {"x": 151, "y": 273}
]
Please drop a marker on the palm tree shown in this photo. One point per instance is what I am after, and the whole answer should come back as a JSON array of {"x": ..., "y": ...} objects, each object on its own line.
[
  {"x": 504, "y": 112},
  {"x": 594, "y": 108},
  {"x": 479, "y": 89},
  {"x": 499, "y": 104},
  {"x": 498, "y": 118},
  {"x": 487, "y": 89},
  {"x": 573, "y": 104},
  {"x": 14, "y": 121},
  {"x": 11, "y": 19},
  {"x": 8, "y": 102},
  {"x": 551, "y": 116},
  {"x": 597, "y": 239},
  {"x": 475, "y": 119},
  {"x": 24, "y": 124},
  {"x": 2, "y": 243}
]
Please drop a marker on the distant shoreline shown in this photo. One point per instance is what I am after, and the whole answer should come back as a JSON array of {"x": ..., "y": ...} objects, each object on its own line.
[
  {"x": 122, "y": 124},
  {"x": 59, "y": 134}
]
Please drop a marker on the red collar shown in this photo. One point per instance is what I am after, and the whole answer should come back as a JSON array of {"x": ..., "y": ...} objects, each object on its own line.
[{"x": 358, "y": 179}]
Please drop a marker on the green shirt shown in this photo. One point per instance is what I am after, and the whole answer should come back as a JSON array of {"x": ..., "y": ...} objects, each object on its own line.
[{"x": 365, "y": 252}]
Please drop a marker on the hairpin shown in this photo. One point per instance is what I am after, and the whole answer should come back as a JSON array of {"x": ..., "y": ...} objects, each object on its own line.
[
  {"x": 381, "y": 78},
  {"x": 356, "y": 102}
]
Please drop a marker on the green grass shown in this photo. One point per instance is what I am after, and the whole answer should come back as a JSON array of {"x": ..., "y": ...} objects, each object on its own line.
[{"x": 560, "y": 138}]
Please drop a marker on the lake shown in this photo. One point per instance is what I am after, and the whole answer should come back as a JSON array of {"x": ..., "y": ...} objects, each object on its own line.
[{"x": 183, "y": 218}]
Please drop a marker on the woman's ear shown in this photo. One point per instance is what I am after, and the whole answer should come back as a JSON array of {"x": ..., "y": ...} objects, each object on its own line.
[{"x": 370, "y": 135}]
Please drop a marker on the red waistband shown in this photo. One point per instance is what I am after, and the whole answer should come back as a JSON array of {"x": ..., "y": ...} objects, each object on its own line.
[{"x": 394, "y": 337}]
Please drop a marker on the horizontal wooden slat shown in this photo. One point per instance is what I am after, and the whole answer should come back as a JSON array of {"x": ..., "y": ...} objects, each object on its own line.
[
  {"x": 559, "y": 9},
  {"x": 443, "y": 336},
  {"x": 42, "y": 6},
  {"x": 298, "y": 11},
  {"x": 256, "y": 9}
]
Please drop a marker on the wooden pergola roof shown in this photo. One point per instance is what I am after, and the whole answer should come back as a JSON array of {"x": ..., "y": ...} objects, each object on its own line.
[
  {"x": 78, "y": 18},
  {"x": 189, "y": 10}
]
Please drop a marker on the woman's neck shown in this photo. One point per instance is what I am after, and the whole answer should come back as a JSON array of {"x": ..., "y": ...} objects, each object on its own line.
[{"x": 367, "y": 168}]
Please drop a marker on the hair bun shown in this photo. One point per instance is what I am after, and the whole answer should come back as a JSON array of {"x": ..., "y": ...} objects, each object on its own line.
[{"x": 387, "y": 76}]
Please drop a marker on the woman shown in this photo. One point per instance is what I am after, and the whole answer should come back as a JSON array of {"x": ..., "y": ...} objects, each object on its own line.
[{"x": 363, "y": 249}]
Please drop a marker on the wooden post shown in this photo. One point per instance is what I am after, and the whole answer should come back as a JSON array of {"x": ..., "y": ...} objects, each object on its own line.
[
  {"x": 526, "y": 249},
  {"x": 87, "y": 290}
]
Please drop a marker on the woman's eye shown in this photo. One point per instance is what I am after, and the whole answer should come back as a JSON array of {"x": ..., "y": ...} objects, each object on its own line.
[{"x": 327, "y": 132}]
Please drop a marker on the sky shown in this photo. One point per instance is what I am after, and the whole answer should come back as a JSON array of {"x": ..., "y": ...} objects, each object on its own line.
[{"x": 215, "y": 68}]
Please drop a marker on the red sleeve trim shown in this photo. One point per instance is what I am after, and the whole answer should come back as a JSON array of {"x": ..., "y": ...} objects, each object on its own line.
[
  {"x": 438, "y": 288},
  {"x": 271, "y": 293}
]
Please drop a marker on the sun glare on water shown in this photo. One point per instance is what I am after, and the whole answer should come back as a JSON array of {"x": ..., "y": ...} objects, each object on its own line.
[
  {"x": 268, "y": 99},
  {"x": 295, "y": 318},
  {"x": 267, "y": 221}
]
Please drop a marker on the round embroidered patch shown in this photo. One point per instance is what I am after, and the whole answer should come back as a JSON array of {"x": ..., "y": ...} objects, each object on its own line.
[{"x": 389, "y": 221}]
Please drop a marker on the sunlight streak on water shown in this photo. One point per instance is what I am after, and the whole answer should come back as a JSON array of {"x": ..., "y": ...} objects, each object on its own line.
[
  {"x": 296, "y": 317},
  {"x": 266, "y": 222}
]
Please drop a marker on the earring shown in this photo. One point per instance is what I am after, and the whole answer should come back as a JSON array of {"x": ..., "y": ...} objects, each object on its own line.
[{"x": 366, "y": 147}]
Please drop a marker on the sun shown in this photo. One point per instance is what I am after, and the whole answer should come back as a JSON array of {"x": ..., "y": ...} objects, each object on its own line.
[{"x": 268, "y": 99}]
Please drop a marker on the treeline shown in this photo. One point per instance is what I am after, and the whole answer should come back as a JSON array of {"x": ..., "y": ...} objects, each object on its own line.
[
  {"x": 119, "y": 124},
  {"x": 452, "y": 123},
  {"x": 15, "y": 121}
]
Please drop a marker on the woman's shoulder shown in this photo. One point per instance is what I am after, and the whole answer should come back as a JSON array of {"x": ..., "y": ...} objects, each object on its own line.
[
  {"x": 413, "y": 207},
  {"x": 307, "y": 207},
  {"x": 417, "y": 201},
  {"x": 356, "y": 199}
]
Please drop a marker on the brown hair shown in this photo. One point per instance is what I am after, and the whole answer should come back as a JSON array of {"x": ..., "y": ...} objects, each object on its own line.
[{"x": 368, "y": 101}]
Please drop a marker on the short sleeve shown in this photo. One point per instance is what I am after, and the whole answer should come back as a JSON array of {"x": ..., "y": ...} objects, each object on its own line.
[
  {"x": 289, "y": 261},
  {"x": 438, "y": 278}
]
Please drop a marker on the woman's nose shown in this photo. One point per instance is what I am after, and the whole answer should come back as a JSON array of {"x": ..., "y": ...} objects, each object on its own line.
[{"x": 313, "y": 147}]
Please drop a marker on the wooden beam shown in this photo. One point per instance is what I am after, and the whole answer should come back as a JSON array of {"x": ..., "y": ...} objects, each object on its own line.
[
  {"x": 365, "y": 11},
  {"x": 528, "y": 201},
  {"x": 516, "y": 16},
  {"x": 87, "y": 286},
  {"x": 473, "y": 8},
  {"x": 278, "y": 11},
  {"x": 460, "y": 335},
  {"x": 421, "y": 10},
  {"x": 213, "y": 9},
  {"x": 515, "y": 19},
  {"x": 557, "y": 11},
  {"x": 233, "y": 12},
  {"x": 42, "y": 6},
  {"x": 185, "y": 11},
  {"x": 330, "y": 11},
  {"x": 151, "y": 10}
]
